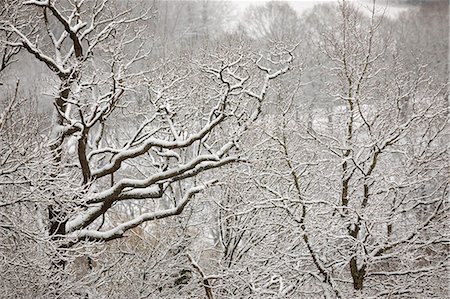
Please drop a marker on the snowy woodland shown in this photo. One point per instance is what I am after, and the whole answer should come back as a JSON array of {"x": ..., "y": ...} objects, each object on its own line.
[{"x": 195, "y": 149}]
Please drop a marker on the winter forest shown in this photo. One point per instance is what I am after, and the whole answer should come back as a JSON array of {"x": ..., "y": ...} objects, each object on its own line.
[{"x": 224, "y": 149}]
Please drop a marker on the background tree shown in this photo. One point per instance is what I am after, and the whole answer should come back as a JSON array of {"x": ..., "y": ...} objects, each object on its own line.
[
  {"x": 338, "y": 185},
  {"x": 273, "y": 21},
  {"x": 323, "y": 176}
]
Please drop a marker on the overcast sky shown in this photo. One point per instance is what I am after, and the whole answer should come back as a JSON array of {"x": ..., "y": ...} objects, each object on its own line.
[
  {"x": 298, "y": 5},
  {"x": 302, "y": 5}
]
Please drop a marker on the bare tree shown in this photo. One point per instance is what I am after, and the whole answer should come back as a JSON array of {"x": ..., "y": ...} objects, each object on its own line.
[
  {"x": 326, "y": 177},
  {"x": 354, "y": 198},
  {"x": 95, "y": 167},
  {"x": 275, "y": 21}
]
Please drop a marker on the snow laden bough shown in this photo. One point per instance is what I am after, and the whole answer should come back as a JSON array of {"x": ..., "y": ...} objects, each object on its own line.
[{"x": 101, "y": 63}]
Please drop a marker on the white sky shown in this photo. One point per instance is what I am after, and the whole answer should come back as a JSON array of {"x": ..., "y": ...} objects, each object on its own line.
[
  {"x": 302, "y": 5},
  {"x": 298, "y": 5}
]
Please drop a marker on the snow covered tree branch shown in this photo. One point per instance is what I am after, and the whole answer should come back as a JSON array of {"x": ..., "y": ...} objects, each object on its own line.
[{"x": 79, "y": 36}]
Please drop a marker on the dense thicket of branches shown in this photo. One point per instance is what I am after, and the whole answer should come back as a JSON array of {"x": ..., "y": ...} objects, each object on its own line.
[{"x": 160, "y": 150}]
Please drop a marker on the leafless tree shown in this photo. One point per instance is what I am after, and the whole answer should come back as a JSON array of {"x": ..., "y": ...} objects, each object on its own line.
[
  {"x": 94, "y": 167},
  {"x": 358, "y": 190},
  {"x": 324, "y": 176}
]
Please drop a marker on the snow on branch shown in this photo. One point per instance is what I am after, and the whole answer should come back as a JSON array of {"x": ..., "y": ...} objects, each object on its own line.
[{"x": 120, "y": 229}]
